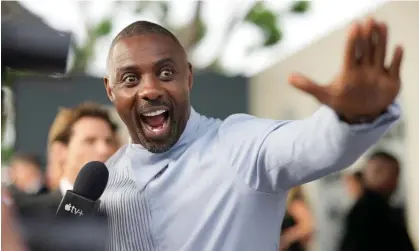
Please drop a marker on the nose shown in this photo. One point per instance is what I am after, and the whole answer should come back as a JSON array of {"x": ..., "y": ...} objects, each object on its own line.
[{"x": 151, "y": 88}]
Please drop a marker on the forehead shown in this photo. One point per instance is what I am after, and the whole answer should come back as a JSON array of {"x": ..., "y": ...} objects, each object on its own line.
[
  {"x": 382, "y": 164},
  {"x": 23, "y": 164},
  {"x": 143, "y": 50},
  {"x": 91, "y": 127}
]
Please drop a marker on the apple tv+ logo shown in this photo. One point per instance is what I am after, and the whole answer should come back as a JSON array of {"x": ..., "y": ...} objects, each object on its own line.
[{"x": 70, "y": 208}]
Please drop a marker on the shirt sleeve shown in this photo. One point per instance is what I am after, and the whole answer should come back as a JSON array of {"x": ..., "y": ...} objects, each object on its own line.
[{"x": 272, "y": 156}]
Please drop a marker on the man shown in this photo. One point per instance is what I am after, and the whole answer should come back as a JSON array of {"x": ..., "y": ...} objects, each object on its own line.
[
  {"x": 88, "y": 134},
  {"x": 26, "y": 176},
  {"x": 188, "y": 182},
  {"x": 372, "y": 224},
  {"x": 381, "y": 174},
  {"x": 54, "y": 166}
]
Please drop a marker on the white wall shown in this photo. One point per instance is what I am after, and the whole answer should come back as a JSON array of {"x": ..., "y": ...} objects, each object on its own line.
[{"x": 272, "y": 97}]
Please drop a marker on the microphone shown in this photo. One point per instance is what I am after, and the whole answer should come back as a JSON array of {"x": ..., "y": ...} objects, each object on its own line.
[{"x": 88, "y": 187}]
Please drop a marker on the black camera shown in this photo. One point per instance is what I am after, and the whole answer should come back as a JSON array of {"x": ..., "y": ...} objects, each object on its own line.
[{"x": 27, "y": 43}]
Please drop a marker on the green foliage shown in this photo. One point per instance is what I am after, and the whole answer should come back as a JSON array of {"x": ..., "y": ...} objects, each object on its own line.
[
  {"x": 201, "y": 31},
  {"x": 9, "y": 79},
  {"x": 103, "y": 28},
  {"x": 260, "y": 15},
  {"x": 300, "y": 6},
  {"x": 83, "y": 53},
  {"x": 3, "y": 116},
  {"x": 6, "y": 155},
  {"x": 266, "y": 20}
]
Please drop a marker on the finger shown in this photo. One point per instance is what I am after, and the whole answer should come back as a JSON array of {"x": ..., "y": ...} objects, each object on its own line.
[
  {"x": 352, "y": 46},
  {"x": 381, "y": 46},
  {"x": 396, "y": 62},
  {"x": 306, "y": 85},
  {"x": 367, "y": 45}
]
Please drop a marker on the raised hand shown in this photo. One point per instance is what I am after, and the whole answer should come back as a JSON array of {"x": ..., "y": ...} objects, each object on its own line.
[{"x": 365, "y": 87}]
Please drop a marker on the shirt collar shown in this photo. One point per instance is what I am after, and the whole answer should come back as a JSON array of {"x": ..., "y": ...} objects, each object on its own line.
[
  {"x": 146, "y": 165},
  {"x": 65, "y": 185}
]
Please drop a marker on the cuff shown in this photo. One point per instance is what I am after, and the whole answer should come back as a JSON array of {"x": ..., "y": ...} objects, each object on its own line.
[{"x": 391, "y": 115}]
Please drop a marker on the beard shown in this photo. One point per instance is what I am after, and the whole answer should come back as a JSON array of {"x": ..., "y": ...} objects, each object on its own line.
[
  {"x": 160, "y": 145},
  {"x": 161, "y": 138}
]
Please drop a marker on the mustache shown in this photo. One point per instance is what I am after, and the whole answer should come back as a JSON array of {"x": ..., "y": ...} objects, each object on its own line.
[{"x": 153, "y": 103}]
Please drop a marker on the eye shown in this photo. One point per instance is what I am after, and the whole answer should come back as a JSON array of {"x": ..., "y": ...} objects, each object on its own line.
[
  {"x": 130, "y": 79},
  {"x": 166, "y": 73},
  {"x": 90, "y": 140}
]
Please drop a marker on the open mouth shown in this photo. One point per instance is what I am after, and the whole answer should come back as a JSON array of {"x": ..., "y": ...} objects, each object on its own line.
[{"x": 155, "y": 122}]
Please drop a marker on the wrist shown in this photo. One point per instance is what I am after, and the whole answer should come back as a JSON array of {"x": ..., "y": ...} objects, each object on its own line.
[{"x": 360, "y": 119}]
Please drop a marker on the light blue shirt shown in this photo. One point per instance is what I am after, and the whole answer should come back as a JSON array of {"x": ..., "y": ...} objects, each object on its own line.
[{"x": 223, "y": 186}]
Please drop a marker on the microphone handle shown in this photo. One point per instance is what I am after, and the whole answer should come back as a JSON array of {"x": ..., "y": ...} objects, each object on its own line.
[{"x": 74, "y": 205}]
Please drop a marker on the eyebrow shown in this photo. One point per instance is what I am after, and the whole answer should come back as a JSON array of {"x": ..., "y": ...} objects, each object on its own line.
[
  {"x": 126, "y": 68},
  {"x": 155, "y": 64},
  {"x": 164, "y": 61}
]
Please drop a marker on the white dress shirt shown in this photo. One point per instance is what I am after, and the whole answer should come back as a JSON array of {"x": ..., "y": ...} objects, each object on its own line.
[
  {"x": 65, "y": 185},
  {"x": 223, "y": 186}
]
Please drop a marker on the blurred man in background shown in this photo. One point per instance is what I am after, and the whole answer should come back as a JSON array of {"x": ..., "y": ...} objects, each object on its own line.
[
  {"x": 78, "y": 135},
  {"x": 89, "y": 135},
  {"x": 26, "y": 177},
  {"x": 54, "y": 170},
  {"x": 372, "y": 223}
]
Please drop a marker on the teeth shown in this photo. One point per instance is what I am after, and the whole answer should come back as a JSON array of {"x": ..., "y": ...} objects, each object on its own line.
[
  {"x": 156, "y": 129},
  {"x": 155, "y": 113}
]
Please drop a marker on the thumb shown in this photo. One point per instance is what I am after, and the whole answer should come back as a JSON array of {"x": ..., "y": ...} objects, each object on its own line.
[{"x": 306, "y": 85}]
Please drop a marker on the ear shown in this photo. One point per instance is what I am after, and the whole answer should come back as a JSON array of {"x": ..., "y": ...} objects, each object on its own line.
[
  {"x": 108, "y": 88},
  {"x": 190, "y": 76}
]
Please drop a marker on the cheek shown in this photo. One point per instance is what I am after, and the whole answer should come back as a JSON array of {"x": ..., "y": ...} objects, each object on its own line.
[
  {"x": 25, "y": 175},
  {"x": 80, "y": 155},
  {"x": 76, "y": 154},
  {"x": 124, "y": 106},
  {"x": 179, "y": 94}
]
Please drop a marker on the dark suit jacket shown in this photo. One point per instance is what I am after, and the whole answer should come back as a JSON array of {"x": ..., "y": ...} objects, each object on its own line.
[
  {"x": 43, "y": 231},
  {"x": 19, "y": 196},
  {"x": 45, "y": 204},
  {"x": 372, "y": 224}
]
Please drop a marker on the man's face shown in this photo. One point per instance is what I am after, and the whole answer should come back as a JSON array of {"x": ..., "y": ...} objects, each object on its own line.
[
  {"x": 26, "y": 176},
  {"x": 149, "y": 83},
  {"x": 381, "y": 175},
  {"x": 91, "y": 140}
]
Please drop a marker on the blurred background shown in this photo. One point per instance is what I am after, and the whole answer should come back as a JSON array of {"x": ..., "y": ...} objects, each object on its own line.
[{"x": 242, "y": 52}]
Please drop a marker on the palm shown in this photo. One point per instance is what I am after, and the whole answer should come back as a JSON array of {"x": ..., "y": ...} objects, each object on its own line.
[
  {"x": 363, "y": 92},
  {"x": 364, "y": 87}
]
